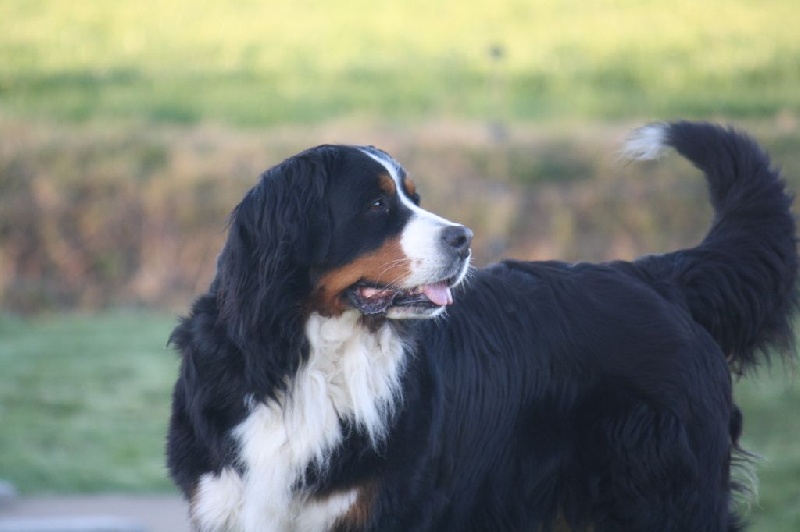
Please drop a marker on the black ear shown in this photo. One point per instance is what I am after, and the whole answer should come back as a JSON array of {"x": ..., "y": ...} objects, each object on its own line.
[{"x": 277, "y": 233}]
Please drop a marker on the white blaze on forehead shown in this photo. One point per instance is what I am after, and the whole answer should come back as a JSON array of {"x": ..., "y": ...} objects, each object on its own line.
[
  {"x": 394, "y": 170},
  {"x": 421, "y": 240}
]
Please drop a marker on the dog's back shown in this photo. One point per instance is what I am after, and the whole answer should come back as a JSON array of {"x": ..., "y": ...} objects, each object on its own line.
[{"x": 598, "y": 396}]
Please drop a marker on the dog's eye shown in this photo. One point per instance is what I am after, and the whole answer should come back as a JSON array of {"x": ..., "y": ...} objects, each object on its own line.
[{"x": 378, "y": 205}]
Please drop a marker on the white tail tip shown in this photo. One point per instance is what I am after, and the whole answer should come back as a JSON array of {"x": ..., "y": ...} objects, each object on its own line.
[{"x": 647, "y": 142}]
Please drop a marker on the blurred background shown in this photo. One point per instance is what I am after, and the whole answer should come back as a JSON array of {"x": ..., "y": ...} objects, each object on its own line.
[{"x": 129, "y": 130}]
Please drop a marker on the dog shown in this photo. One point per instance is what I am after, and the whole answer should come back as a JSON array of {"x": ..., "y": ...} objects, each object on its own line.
[{"x": 347, "y": 370}]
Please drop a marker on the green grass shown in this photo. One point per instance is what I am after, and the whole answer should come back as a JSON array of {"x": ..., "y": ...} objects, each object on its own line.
[
  {"x": 84, "y": 401},
  {"x": 772, "y": 430},
  {"x": 255, "y": 63}
]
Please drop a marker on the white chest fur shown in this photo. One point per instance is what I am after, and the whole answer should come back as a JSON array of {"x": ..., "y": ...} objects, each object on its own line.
[{"x": 352, "y": 373}]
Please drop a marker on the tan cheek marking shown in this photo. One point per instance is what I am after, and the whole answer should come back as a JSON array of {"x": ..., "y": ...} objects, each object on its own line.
[
  {"x": 410, "y": 186},
  {"x": 386, "y": 265},
  {"x": 386, "y": 184}
]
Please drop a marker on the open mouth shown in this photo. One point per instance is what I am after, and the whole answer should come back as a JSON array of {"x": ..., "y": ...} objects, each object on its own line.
[{"x": 371, "y": 299}]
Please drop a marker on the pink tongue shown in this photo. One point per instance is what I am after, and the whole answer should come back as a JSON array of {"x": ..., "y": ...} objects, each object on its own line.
[{"x": 438, "y": 293}]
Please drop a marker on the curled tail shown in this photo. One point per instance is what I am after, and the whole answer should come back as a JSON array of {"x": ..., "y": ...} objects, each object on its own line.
[{"x": 740, "y": 282}]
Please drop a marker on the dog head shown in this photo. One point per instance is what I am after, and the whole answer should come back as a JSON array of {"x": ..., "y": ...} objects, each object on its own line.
[
  {"x": 387, "y": 255},
  {"x": 337, "y": 228}
]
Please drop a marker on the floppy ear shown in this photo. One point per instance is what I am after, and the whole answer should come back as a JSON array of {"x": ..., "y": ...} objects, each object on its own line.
[{"x": 277, "y": 233}]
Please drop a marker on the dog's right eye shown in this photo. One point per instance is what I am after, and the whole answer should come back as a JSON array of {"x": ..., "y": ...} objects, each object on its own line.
[{"x": 378, "y": 205}]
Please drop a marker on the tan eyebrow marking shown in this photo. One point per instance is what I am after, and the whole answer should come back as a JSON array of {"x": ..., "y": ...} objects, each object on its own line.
[
  {"x": 410, "y": 186},
  {"x": 386, "y": 184}
]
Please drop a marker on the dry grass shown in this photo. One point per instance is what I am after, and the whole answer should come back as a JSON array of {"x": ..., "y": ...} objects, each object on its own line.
[{"x": 96, "y": 216}]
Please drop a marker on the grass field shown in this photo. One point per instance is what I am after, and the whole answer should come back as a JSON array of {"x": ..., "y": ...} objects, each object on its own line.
[
  {"x": 84, "y": 403},
  {"x": 772, "y": 429},
  {"x": 257, "y": 63}
]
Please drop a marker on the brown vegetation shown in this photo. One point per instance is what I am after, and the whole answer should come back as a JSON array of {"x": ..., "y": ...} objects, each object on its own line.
[{"x": 94, "y": 217}]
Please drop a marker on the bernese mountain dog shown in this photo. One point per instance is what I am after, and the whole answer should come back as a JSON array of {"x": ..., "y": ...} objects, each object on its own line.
[{"x": 347, "y": 369}]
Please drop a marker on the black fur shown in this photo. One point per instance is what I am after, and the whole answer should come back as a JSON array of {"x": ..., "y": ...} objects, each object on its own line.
[{"x": 586, "y": 396}]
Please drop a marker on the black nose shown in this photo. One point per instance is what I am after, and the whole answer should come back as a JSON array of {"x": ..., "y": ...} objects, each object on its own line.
[{"x": 458, "y": 238}]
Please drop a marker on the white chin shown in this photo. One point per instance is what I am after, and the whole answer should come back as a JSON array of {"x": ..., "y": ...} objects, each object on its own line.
[{"x": 411, "y": 313}]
